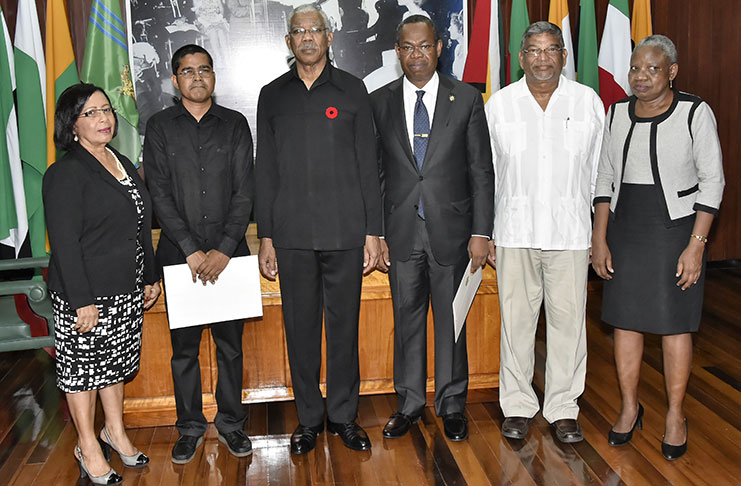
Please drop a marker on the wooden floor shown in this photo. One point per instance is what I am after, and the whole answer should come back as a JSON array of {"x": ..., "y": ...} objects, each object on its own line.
[{"x": 36, "y": 441}]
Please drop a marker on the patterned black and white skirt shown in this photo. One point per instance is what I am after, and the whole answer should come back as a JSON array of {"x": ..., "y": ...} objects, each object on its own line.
[{"x": 108, "y": 353}]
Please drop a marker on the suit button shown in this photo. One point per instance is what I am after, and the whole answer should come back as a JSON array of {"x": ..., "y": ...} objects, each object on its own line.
[{"x": 421, "y": 178}]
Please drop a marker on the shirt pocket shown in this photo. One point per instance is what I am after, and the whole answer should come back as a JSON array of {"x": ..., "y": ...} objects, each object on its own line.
[
  {"x": 511, "y": 137},
  {"x": 576, "y": 136}
]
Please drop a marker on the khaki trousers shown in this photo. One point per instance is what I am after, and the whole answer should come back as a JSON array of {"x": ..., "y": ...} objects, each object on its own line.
[{"x": 526, "y": 277}]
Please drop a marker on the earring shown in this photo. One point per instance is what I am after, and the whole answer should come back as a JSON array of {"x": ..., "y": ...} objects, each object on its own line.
[
  {"x": 75, "y": 137},
  {"x": 671, "y": 84}
]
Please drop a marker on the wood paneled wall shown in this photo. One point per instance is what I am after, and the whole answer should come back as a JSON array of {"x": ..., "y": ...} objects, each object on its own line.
[{"x": 708, "y": 38}]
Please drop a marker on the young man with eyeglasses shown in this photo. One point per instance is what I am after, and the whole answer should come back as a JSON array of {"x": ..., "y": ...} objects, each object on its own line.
[
  {"x": 438, "y": 190},
  {"x": 318, "y": 211},
  {"x": 198, "y": 162},
  {"x": 546, "y": 134}
]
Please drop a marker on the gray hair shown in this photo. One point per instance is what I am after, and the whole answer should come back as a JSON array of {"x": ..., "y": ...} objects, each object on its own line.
[
  {"x": 310, "y": 8},
  {"x": 662, "y": 42},
  {"x": 542, "y": 27}
]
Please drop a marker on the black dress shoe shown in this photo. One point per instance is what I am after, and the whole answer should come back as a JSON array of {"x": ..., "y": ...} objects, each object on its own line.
[
  {"x": 352, "y": 435},
  {"x": 515, "y": 427},
  {"x": 672, "y": 452},
  {"x": 455, "y": 426},
  {"x": 398, "y": 425},
  {"x": 568, "y": 431},
  {"x": 303, "y": 438},
  {"x": 237, "y": 442},
  {"x": 621, "y": 438},
  {"x": 185, "y": 448}
]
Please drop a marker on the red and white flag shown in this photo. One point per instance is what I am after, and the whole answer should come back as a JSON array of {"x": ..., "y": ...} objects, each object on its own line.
[{"x": 614, "y": 54}]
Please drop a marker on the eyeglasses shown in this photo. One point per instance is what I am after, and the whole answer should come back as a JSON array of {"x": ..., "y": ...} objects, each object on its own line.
[
  {"x": 534, "y": 52},
  {"x": 204, "y": 72},
  {"x": 424, "y": 49},
  {"x": 314, "y": 31},
  {"x": 97, "y": 112}
]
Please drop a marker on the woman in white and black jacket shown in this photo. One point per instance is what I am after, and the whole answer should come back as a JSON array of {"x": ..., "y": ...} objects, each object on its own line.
[{"x": 659, "y": 186}]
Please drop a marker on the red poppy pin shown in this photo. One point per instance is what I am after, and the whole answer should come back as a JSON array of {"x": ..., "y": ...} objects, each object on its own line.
[{"x": 331, "y": 112}]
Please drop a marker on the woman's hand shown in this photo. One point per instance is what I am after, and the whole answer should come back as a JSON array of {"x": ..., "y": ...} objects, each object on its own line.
[
  {"x": 602, "y": 258},
  {"x": 689, "y": 265},
  {"x": 87, "y": 318},
  {"x": 151, "y": 293}
]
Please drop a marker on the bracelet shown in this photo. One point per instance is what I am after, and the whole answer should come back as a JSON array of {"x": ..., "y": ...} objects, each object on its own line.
[{"x": 703, "y": 239}]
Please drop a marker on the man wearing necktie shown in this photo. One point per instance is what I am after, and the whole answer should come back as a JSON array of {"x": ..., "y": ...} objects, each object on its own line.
[{"x": 438, "y": 189}]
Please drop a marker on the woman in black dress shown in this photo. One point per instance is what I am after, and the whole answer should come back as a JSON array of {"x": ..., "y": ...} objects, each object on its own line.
[
  {"x": 659, "y": 185},
  {"x": 101, "y": 274}
]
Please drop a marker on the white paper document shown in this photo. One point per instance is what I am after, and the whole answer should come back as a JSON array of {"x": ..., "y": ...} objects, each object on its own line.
[
  {"x": 235, "y": 295},
  {"x": 464, "y": 297}
]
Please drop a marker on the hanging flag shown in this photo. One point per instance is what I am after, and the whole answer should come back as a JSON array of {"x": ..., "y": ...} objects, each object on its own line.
[
  {"x": 586, "y": 66},
  {"x": 519, "y": 21},
  {"x": 13, "y": 221},
  {"x": 61, "y": 71},
  {"x": 30, "y": 74},
  {"x": 106, "y": 64},
  {"x": 614, "y": 54},
  {"x": 483, "y": 63},
  {"x": 559, "y": 15},
  {"x": 640, "y": 27}
]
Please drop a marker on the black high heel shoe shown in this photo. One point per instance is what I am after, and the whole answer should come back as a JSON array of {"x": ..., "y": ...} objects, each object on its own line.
[
  {"x": 622, "y": 438},
  {"x": 672, "y": 452},
  {"x": 111, "y": 478},
  {"x": 136, "y": 460}
]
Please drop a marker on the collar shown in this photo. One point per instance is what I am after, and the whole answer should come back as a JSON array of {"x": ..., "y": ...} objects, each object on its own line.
[
  {"x": 329, "y": 74},
  {"x": 431, "y": 87},
  {"x": 524, "y": 91},
  {"x": 215, "y": 110}
]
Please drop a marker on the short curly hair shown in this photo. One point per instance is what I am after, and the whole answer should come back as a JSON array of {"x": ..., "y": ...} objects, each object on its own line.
[{"x": 69, "y": 107}]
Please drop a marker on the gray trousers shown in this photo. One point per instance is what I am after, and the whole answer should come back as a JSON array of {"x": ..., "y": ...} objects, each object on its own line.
[{"x": 414, "y": 283}]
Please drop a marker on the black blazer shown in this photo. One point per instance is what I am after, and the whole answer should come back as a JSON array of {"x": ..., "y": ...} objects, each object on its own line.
[
  {"x": 456, "y": 183},
  {"x": 92, "y": 225}
]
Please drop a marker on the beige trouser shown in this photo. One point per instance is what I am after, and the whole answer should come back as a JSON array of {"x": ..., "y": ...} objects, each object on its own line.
[{"x": 525, "y": 277}]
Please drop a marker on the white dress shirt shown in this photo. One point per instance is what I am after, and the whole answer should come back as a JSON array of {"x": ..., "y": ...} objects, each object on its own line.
[
  {"x": 545, "y": 165},
  {"x": 410, "y": 99}
]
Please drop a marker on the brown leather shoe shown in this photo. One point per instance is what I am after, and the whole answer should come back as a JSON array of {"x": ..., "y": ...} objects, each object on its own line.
[
  {"x": 515, "y": 427},
  {"x": 568, "y": 431}
]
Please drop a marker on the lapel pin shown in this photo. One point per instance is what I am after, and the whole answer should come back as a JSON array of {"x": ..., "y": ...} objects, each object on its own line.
[{"x": 452, "y": 98}]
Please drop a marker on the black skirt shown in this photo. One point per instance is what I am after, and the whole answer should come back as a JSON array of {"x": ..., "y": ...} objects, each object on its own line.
[{"x": 643, "y": 294}]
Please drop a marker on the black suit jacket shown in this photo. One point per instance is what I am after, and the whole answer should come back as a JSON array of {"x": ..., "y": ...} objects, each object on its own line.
[
  {"x": 456, "y": 183},
  {"x": 92, "y": 225}
]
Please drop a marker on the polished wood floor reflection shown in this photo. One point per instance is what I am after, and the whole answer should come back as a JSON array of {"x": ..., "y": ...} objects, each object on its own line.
[{"x": 36, "y": 438}]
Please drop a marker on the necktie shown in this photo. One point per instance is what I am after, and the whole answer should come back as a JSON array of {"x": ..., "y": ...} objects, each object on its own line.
[{"x": 421, "y": 135}]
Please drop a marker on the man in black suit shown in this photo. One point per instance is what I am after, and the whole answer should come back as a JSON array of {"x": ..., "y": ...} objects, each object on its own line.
[
  {"x": 198, "y": 163},
  {"x": 438, "y": 190},
  {"x": 319, "y": 217}
]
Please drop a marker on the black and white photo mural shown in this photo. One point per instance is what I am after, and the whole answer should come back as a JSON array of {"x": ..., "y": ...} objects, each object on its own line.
[{"x": 247, "y": 41}]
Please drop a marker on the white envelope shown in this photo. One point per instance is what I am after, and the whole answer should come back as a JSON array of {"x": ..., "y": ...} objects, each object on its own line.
[
  {"x": 235, "y": 295},
  {"x": 464, "y": 297}
]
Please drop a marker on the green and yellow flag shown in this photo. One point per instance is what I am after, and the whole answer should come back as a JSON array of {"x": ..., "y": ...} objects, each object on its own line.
[
  {"x": 61, "y": 71},
  {"x": 106, "y": 64}
]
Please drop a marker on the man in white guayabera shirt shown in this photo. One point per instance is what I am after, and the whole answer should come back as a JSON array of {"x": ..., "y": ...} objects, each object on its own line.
[{"x": 546, "y": 137}]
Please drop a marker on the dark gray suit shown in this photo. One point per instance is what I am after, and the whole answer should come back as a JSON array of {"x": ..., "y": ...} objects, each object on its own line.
[{"x": 429, "y": 257}]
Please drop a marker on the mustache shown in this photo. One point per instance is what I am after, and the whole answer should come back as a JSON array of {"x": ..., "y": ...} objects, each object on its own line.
[{"x": 307, "y": 45}]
